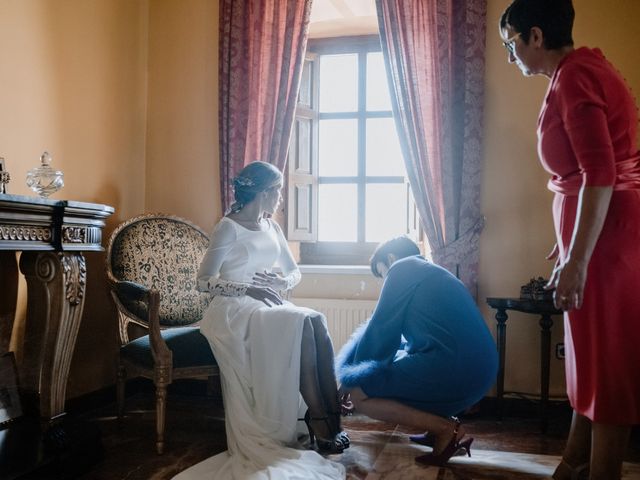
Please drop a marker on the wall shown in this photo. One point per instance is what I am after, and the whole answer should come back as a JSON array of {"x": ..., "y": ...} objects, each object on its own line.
[
  {"x": 182, "y": 135},
  {"x": 515, "y": 201},
  {"x": 123, "y": 94},
  {"x": 73, "y": 77}
]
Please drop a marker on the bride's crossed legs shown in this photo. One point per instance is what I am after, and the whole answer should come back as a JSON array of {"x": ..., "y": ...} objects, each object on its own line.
[{"x": 318, "y": 383}]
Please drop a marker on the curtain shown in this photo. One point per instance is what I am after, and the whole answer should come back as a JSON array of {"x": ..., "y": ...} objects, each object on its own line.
[
  {"x": 434, "y": 55},
  {"x": 262, "y": 45}
]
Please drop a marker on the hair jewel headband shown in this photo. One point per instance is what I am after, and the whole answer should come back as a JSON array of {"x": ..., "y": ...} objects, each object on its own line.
[{"x": 244, "y": 182}]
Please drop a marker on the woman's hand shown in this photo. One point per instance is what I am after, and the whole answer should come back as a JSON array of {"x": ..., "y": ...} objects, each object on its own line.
[
  {"x": 344, "y": 399},
  {"x": 554, "y": 254},
  {"x": 265, "y": 294},
  {"x": 568, "y": 278},
  {"x": 271, "y": 280}
]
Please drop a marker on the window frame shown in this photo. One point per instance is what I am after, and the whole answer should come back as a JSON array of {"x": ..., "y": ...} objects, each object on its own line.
[{"x": 313, "y": 251}]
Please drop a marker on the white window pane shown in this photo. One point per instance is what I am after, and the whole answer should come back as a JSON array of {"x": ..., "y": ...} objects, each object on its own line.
[
  {"x": 338, "y": 148},
  {"x": 377, "y": 87},
  {"x": 385, "y": 212},
  {"x": 384, "y": 156},
  {"x": 337, "y": 213},
  {"x": 339, "y": 83}
]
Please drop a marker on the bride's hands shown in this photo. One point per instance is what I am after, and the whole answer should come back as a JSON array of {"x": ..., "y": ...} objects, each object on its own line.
[
  {"x": 270, "y": 280},
  {"x": 264, "y": 294}
]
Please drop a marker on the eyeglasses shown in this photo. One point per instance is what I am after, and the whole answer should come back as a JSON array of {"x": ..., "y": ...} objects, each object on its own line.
[{"x": 510, "y": 43}]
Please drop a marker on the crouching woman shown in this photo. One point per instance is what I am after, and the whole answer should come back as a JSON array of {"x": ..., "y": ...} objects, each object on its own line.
[{"x": 426, "y": 353}]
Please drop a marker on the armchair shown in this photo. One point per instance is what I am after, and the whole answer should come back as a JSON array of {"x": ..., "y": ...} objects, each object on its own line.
[{"x": 152, "y": 262}]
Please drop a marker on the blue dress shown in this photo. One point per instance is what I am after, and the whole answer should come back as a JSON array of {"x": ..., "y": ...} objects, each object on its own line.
[{"x": 426, "y": 344}]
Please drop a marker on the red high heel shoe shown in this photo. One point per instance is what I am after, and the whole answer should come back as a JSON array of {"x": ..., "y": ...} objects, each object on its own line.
[
  {"x": 449, "y": 451},
  {"x": 427, "y": 439}
]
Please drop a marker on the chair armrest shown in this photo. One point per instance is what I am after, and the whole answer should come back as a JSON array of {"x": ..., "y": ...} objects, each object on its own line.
[
  {"x": 133, "y": 297},
  {"x": 162, "y": 355},
  {"x": 131, "y": 290},
  {"x": 144, "y": 302}
]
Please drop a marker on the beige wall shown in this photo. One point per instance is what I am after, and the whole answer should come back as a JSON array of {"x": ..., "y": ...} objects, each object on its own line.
[
  {"x": 182, "y": 135},
  {"x": 515, "y": 201},
  {"x": 73, "y": 82},
  {"x": 123, "y": 93}
]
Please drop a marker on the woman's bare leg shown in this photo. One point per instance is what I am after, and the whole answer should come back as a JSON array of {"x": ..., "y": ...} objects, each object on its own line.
[
  {"x": 398, "y": 413},
  {"x": 577, "y": 450},
  {"x": 608, "y": 448}
]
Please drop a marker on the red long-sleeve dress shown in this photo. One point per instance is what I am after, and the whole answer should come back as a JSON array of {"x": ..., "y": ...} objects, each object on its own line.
[{"x": 587, "y": 136}]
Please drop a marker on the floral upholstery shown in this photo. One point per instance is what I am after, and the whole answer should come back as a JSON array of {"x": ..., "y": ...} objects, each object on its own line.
[{"x": 163, "y": 253}]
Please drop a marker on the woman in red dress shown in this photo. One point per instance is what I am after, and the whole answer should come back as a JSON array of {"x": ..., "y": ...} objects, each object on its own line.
[{"x": 587, "y": 142}]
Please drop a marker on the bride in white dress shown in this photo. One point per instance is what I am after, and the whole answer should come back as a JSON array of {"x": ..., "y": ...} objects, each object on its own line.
[{"x": 270, "y": 352}]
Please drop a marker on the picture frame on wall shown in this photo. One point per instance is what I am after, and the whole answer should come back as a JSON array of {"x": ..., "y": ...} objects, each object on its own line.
[{"x": 10, "y": 406}]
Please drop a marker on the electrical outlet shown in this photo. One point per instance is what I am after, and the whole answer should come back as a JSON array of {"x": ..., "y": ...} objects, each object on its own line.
[{"x": 560, "y": 351}]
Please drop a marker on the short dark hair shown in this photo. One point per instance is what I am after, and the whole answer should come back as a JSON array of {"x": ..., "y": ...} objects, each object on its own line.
[
  {"x": 400, "y": 247},
  {"x": 553, "y": 17}
]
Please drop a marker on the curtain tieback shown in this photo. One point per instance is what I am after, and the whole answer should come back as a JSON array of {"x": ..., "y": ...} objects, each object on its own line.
[{"x": 454, "y": 253}]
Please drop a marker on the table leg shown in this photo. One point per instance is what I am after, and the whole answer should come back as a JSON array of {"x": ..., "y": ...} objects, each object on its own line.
[
  {"x": 8, "y": 297},
  {"x": 56, "y": 284},
  {"x": 501, "y": 333},
  {"x": 546, "y": 322}
]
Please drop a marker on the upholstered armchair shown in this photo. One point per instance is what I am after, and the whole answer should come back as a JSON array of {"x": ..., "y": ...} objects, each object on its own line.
[{"x": 152, "y": 263}]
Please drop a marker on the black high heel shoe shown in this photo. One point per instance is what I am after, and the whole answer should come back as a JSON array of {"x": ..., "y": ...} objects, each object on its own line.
[
  {"x": 449, "y": 451},
  {"x": 325, "y": 445},
  {"x": 341, "y": 434}
]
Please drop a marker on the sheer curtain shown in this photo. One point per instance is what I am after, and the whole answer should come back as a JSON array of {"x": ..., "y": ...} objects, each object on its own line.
[
  {"x": 262, "y": 45},
  {"x": 434, "y": 54}
]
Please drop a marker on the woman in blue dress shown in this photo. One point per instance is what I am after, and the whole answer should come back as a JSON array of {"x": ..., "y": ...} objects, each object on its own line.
[{"x": 425, "y": 354}]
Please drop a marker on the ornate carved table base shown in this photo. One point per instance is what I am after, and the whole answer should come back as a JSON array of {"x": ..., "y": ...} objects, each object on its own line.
[
  {"x": 8, "y": 297},
  {"x": 51, "y": 235},
  {"x": 56, "y": 283}
]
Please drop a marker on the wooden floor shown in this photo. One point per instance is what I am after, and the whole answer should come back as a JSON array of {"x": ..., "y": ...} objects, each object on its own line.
[{"x": 510, "y": 448}]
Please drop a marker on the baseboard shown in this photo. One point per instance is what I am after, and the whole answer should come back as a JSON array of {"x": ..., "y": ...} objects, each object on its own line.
[{"x": 519, "y": 407}]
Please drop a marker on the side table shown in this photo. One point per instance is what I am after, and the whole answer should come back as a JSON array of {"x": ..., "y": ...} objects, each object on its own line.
[
  {"x": 545, "y": 309},
  {"x": 52, "y": 236}
]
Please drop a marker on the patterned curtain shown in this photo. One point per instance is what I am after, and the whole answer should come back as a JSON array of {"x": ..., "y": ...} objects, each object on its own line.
[
  {"x": 434, "y": 54},
  {"x": 262, "y": 45}
]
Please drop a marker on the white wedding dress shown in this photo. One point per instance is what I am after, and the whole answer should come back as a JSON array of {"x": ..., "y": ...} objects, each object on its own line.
[{"x": 258, "y": 350}]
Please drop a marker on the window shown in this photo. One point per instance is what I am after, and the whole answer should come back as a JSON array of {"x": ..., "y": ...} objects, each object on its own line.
[{"x": 347, "y": 188}]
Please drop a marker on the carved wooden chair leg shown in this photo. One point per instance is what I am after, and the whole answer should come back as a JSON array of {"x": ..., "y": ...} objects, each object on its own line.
[
  {"x": 120, "y": 386},
  {"x": 161, "y": 406}
]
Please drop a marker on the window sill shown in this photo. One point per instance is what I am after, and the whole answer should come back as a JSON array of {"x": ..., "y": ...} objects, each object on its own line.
[{"x": 336, "y": 269}]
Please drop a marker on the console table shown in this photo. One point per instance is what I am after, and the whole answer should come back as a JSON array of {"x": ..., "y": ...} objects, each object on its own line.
[
  {"x": 545, "y": 309},
  {"x": 51, "y": 234}
]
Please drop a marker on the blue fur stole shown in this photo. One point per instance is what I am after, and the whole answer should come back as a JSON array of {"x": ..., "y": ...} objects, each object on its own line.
[{"x": 351, "y": 374}]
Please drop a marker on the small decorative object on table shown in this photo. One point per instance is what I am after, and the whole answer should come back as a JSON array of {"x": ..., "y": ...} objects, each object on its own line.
[
  {"x": 4, "y": 177},
  {"x": 534, "y": 290},
  {"x": 44, "y": 180}
]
